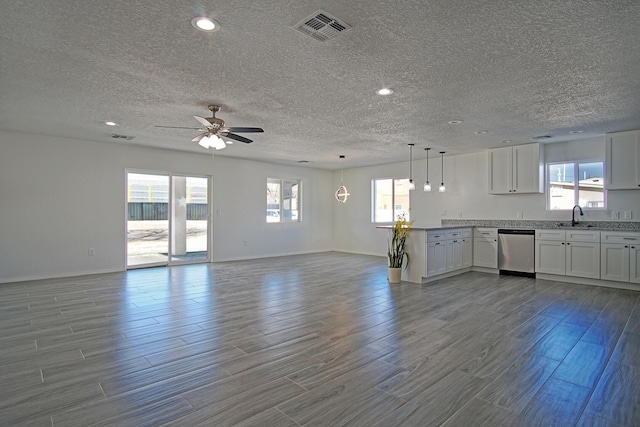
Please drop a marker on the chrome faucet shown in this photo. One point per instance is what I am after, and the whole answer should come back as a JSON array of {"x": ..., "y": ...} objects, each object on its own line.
[{"x": 573, "y": 215}]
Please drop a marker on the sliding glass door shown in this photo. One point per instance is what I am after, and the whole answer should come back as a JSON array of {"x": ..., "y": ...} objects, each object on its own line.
[{"x": 167, "y": 219}]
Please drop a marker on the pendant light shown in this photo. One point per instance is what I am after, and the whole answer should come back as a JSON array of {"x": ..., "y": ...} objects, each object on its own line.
[
  {"x": 427, "y": 184},
  {"x": 442, "y": 188},
  {"x": 341, "y": 193},
  {"x": 412, "y": 185}
]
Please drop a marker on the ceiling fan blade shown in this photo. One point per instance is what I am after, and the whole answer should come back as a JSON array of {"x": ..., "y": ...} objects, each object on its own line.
[
  {"x": 203, "y": 121},
  {"x": 237, "y": 137},
  {"x": 199, "y": 137},
  {"x": 178, "y": 127},
  {"x": 242, "y": 129}
]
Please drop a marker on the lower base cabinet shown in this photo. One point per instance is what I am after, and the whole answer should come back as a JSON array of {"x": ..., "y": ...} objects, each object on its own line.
[
  {"x": 568, "y": 253},
  {"x": 448, "y": 250},
  {"x": 620, "y": 257},
  {"x": 485, "y": 247}
]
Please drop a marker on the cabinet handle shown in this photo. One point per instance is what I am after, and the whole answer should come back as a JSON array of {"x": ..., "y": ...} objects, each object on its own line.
[
  {"x": 626, "y": 246},
  {"x": 563, "y": 243},
  {"x": 568, "y": 243},
  {"x": 628, "y": 238}
]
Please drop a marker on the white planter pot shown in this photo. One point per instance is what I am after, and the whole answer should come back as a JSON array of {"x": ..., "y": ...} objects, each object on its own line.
[{"x": 394, "y": 275}]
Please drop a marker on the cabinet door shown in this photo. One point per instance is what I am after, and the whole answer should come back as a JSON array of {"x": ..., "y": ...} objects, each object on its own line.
[
  {"x": 485, "y": 253},
  {"x": 440, "y": 257},
  {"x": 614, "y": 262},
  {"x": 583, "y": 259},
  {"x": 550, "y": 257},
  {"x": 456, "y": 255},
  {"x": 526, "y": 169},
  {"x": 500, "y": 170},
  {"x": 431, "y": 258},
  {"x": 634, "y": 264},
  {"x": 467, "y": 253},
  {"x": 622, "y": 161}
]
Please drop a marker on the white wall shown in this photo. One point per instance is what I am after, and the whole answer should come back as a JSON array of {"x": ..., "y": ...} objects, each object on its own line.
[
  {"x": 240, "y": 200},
  {"x": 466, "y": 179},
  {"x": 59, "y": 197}
]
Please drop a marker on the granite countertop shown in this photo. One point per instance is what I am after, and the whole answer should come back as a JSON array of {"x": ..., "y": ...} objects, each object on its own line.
[
  {"x": 630, "y": 226},
  {"x": 448, "y": 224}
]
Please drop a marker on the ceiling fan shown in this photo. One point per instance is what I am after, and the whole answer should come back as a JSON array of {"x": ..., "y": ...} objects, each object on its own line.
[{"x": 213, "y": 131}]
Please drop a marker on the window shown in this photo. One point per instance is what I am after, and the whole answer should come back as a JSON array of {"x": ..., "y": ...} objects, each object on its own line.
[
  {"x": 576, "y": 183},
  {"x": 390, "y": 199},
  {"x": 283, "y": 200}
]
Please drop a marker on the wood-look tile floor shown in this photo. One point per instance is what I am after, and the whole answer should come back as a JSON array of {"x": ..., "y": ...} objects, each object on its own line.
[{"x": 318, "y": 340}]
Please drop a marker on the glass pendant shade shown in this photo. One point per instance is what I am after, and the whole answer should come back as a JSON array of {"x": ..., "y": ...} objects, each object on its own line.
[
  {"x": 442, "y": 188},
  {"x": 412, "y": 185},
  {"x": 427, "y": 184}
]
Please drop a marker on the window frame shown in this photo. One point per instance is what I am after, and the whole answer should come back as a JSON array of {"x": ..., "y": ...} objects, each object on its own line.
[
  {"x": 394, "y": 203},
  {"x": 282, "y": 218},
  {"x": 576, "y": 189}
]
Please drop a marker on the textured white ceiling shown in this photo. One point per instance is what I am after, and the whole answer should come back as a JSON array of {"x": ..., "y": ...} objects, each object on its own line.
[{"x": 513, "y": 68}]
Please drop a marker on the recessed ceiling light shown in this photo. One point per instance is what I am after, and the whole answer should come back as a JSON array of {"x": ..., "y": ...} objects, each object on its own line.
[
  {"x": 111, "y": 123},
  {"x": 481, "y": 132},
  {"x": 455, "y": 122},
  {"x": 384, "y": 91},
  {"x": 507, "y": 141},
  {"x": 576, "y": 131},
  {"x": 203, "y": 23}
]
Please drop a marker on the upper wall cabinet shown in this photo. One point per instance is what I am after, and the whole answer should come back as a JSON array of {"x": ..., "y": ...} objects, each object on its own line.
[
  {"x": 623, "y": 160},
  {"x": 517, "y": 169}
]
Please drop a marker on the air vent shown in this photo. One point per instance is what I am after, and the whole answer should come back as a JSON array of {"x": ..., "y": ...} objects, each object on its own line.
[
  {"x": 322, "y": 26},
  {"x": 127, "y": 137},
  {"x": 542, "y": 137}
]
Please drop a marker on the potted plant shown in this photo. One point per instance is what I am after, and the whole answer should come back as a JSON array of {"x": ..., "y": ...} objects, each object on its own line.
[{"x": 396, "y": 251}]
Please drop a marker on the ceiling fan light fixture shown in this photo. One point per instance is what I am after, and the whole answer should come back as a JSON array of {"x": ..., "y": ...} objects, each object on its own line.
[
  {"x": 204, "y": 142},
  {"x": 216, "y": 142},
  {"x": 202, "y": 23}
]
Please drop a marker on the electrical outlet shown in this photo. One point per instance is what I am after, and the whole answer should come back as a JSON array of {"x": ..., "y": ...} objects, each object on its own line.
[
  {"x": 459, "y": 214},
  {"x": 92, "y": 252},
  {"x": 245, "y": 243},
  {"x": 627, "y": 214},
  {"x": 519, "y": 214},
  {"x": 615, "y": 215}
]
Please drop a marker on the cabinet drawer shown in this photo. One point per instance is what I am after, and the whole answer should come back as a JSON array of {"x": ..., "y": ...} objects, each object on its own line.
[
  {"x": 436, "y": 236},
  {"x": 583, "y": 236},
  {"x": 486, "y": 233},
  {"x": 550, "y": 235},
  {"x": 454, "y": 234},
  {"x": 619, "y": 237}
]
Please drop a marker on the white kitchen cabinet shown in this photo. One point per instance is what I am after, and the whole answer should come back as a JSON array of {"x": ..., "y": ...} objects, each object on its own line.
[
  {"x": 517, "y": 169},
  {"x": 634, "y": 263},
  {"x": 485, "y": 247},
  {"x": 436, "y": 258},
  {"x": 620, "y": 256},
  {"x": 615, "y": 262},
  {"x": 446, "y": 251},
  {"x": 467, "y": 248},
  {"x": 568, "y": 253},
  {"x": 550, "y": 257},
  {"x": 623, "y": 160}
]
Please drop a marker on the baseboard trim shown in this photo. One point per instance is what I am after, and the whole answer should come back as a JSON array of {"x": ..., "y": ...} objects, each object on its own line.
[{"x": 589, "y": 282}]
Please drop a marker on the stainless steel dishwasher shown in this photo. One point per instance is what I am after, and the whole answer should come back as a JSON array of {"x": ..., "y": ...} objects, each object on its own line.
[{"x": 516, "y": 252}]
